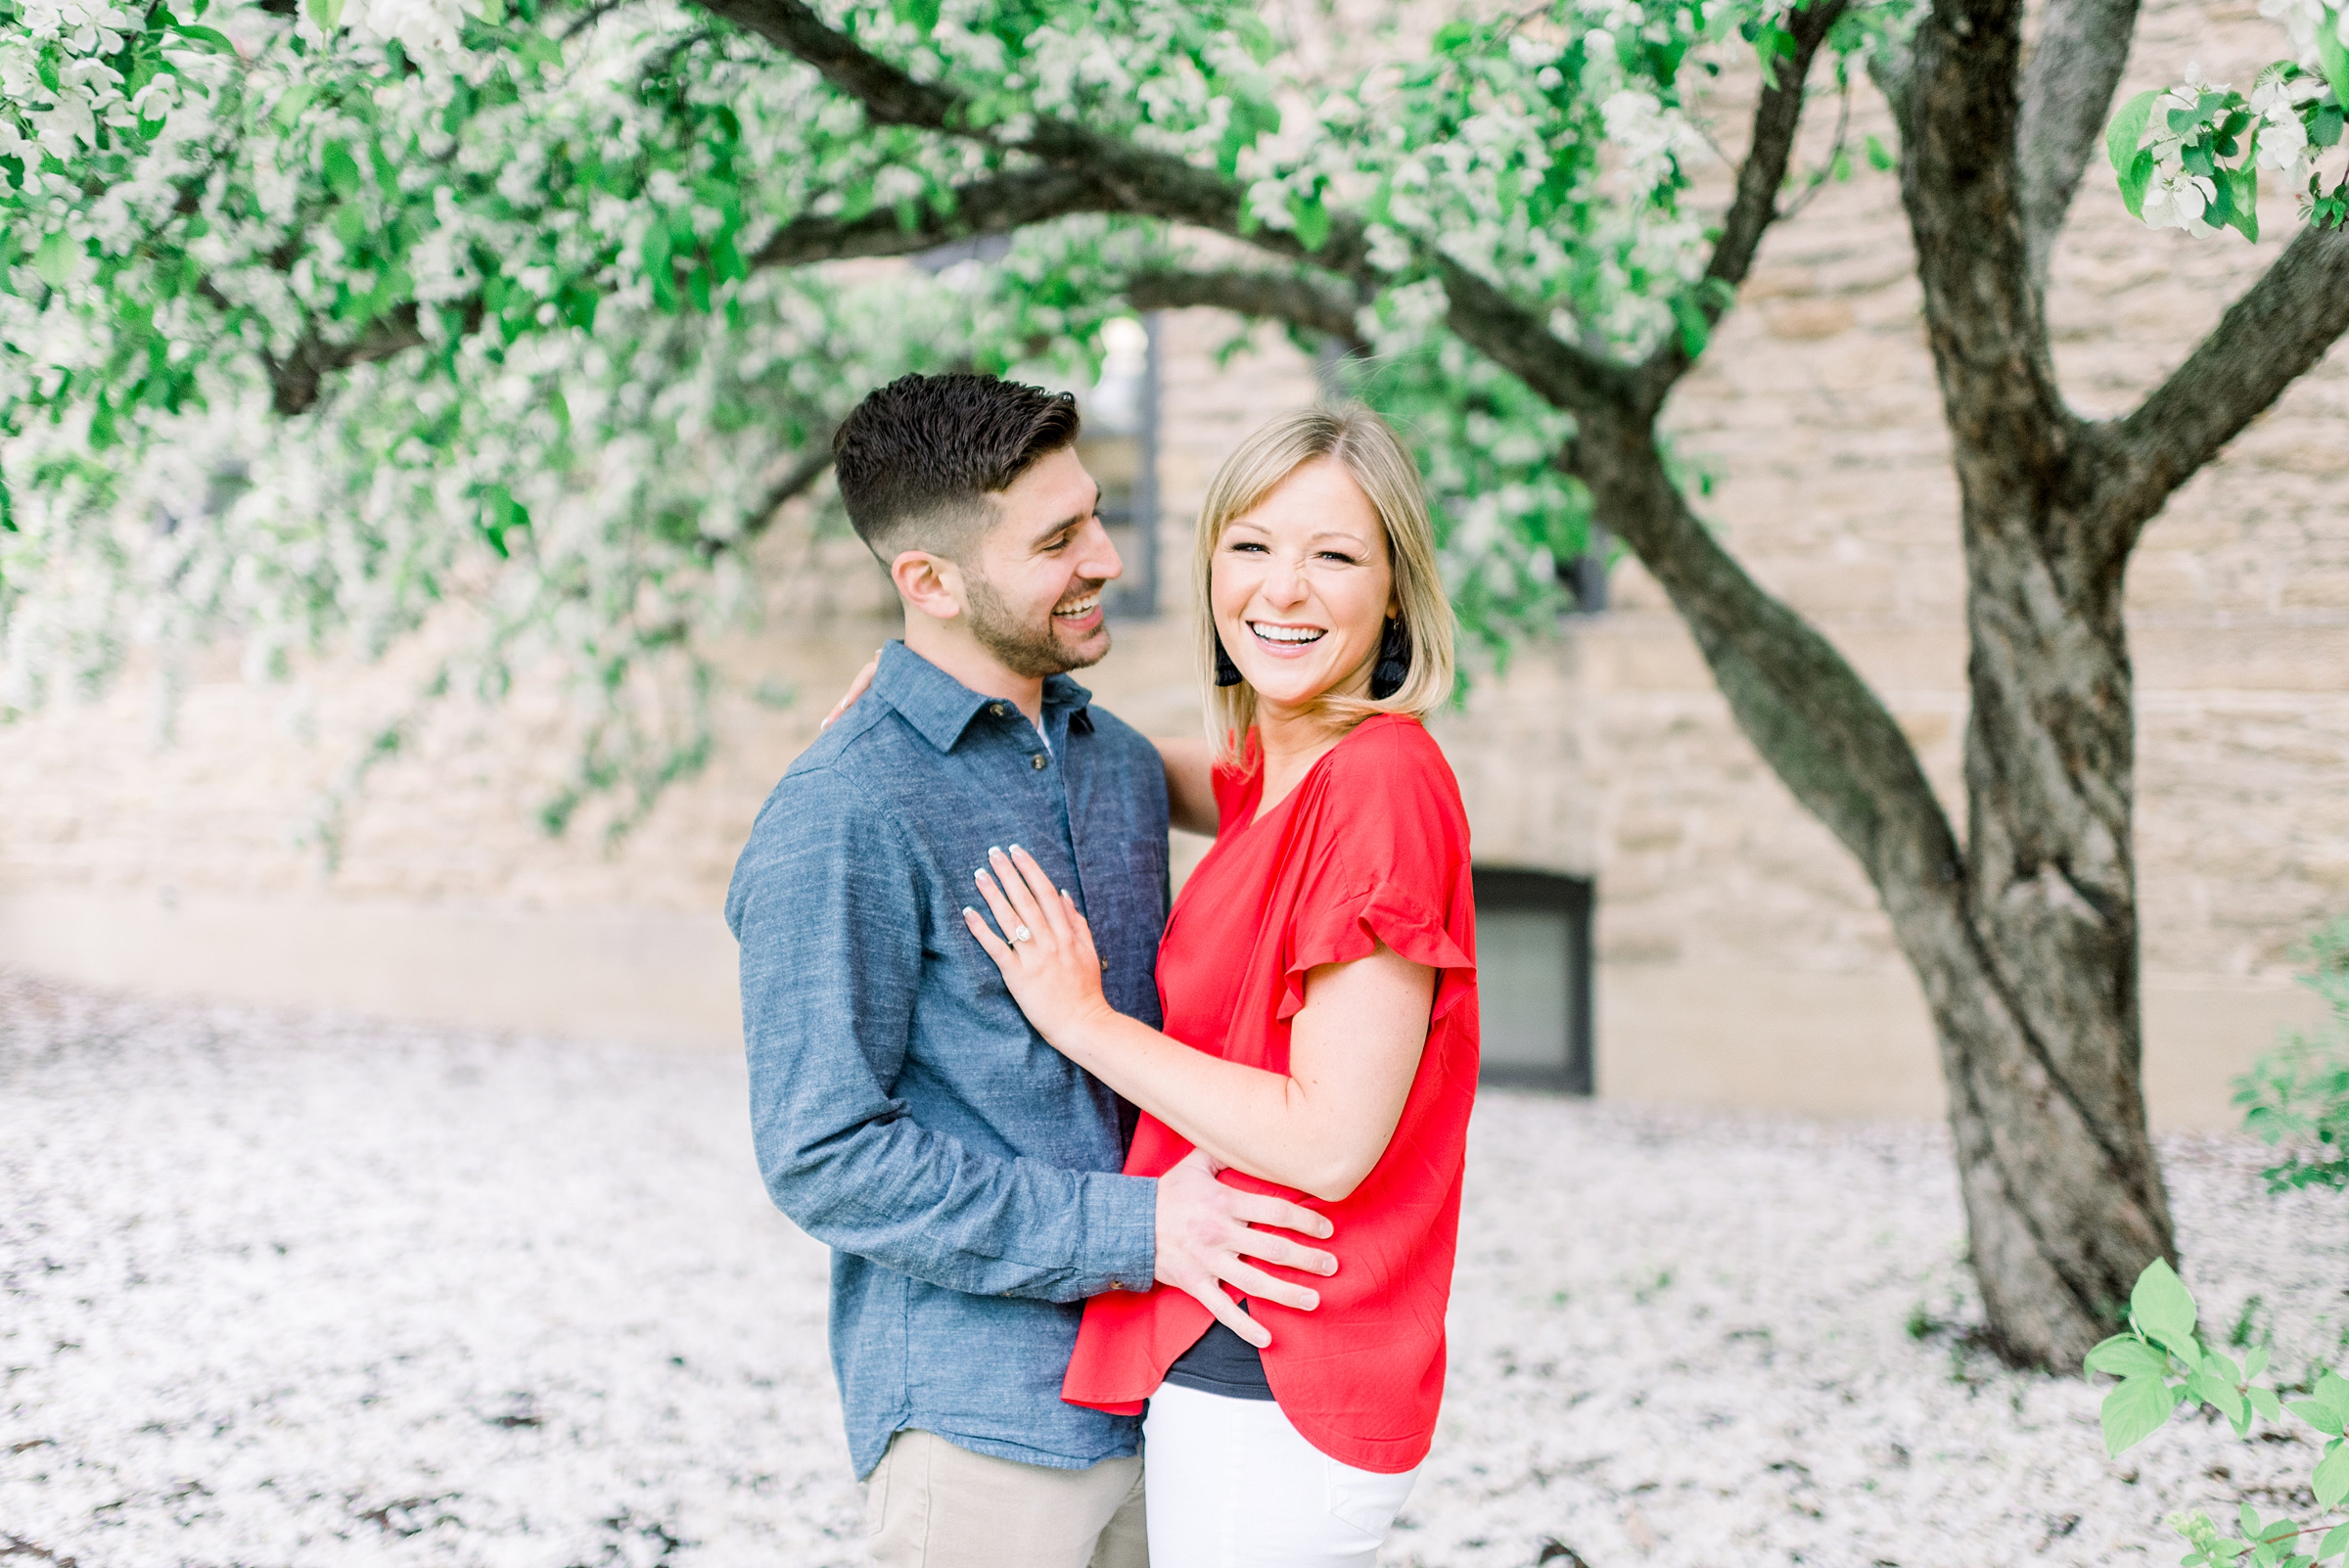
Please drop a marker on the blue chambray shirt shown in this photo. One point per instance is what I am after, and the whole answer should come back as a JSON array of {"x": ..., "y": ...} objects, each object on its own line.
[{"x": 964, "y": 1173}]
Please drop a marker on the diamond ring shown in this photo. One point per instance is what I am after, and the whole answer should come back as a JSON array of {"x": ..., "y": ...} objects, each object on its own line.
[{"x": 1022, "y": 934}]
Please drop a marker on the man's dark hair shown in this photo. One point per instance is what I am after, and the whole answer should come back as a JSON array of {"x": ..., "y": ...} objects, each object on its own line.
[{"x": 918, "y": 458}]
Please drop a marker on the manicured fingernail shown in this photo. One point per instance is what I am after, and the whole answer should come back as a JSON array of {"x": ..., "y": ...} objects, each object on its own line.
[
  {"x": 1316, "y": 1302},
  {"x": 993, "y": 850},
  {"x": 1015, "y": 848}
]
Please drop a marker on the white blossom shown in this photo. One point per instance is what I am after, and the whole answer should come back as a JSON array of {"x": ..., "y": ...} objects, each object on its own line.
[
  {"x": 2282, "y": 142},
  {"x": 1651, "y": 138},
  {"x": 2302, "y": 19},
  {"x": 2177, "y": 200}
]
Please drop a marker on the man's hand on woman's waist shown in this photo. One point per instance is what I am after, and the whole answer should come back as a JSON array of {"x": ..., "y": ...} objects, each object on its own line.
[{"x": 1207, "y": 1232}]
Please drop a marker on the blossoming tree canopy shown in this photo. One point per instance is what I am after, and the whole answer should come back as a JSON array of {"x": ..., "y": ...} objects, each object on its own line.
[
  {"x": 549, "y": 262},
  {"x": 2189, "y": 158}
]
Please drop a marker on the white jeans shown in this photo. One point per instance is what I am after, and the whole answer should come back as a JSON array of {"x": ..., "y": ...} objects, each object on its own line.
[{"x": 1231, "y": 1485}]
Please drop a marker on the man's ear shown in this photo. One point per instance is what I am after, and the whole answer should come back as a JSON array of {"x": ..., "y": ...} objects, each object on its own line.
[{"x": 930, "y": 584}]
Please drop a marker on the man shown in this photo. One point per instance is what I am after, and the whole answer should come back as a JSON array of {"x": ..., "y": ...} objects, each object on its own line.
[{"x": 964, "y": 1173}]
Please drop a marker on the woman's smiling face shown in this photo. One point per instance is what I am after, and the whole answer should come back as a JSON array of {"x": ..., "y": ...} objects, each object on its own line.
[{"x": 1301, "y": 587}]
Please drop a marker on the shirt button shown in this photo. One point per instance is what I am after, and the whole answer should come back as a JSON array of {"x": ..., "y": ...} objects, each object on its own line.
[
  {"x": 1036, "y": 762},
  {"x": 995, "y": 708}
]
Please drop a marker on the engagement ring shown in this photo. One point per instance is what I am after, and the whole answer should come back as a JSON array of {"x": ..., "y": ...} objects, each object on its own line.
[{"x": 1021, "y": 934}]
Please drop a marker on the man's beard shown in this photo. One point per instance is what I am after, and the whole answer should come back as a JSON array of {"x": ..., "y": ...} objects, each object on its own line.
[{"x": 1027, "y": 651}]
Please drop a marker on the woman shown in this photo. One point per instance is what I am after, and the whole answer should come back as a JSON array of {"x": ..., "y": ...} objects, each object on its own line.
[{"x": 1318, "y": 982}]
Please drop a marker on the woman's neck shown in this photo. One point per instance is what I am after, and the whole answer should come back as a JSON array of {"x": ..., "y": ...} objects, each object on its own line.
[{"x": 1290, "y": 741}]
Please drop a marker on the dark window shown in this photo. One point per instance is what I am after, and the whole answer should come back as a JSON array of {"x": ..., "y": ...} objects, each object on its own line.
[
  {"x": 1585, "y": 576},
  {"x": 1533, "y": 952},
  {"x": 1120, "y": 450}
]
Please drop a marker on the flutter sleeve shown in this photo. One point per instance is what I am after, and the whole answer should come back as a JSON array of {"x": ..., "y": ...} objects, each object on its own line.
[{"x": 1386, "y": 842}]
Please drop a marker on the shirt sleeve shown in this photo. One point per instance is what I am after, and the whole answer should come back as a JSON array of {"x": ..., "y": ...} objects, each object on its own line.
[
  {"x": 826, "y": 905},
  {"x": 1388, "y": 862}
]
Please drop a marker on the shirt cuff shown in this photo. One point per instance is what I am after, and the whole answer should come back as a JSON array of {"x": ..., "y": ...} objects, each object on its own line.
[{"x": 1121, "y": 1233}]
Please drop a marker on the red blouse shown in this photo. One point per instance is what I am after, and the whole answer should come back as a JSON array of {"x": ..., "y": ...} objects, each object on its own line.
[{"x": 1372, "y": 844}]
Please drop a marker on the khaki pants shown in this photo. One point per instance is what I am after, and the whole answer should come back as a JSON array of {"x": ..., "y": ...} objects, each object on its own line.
[{"x": 929, "y": 1505}]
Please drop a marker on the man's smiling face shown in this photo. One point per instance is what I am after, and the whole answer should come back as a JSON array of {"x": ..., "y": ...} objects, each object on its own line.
[{"x": 1033, "y": 584}]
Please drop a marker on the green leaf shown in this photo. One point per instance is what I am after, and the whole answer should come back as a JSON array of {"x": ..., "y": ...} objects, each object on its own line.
[
  {"x": 2332, "y": 55},
  {"x": 1253, "y": 35},
  {"x": 341, "y": 169},
  {"x": 2318, "y": 1416},
  {"x": 2242, "y": 185},
  {"x": 2330, "y": 1478},
  {"x": 2255, "y": 1360},
  {"x": 493, "y": 12},
  {"x": 538, "y": 50},
  {"x": 2164, "y": 1308},
  {"x": 2335, "y": 1542},
  {"x": 2135, "y": 1410},
  {"x": 2127, "y": 1355},
  {"x": 2264, "y": 1401},
  {"x": 500, "y": 514},
  {"x": 328, "y": 14},
  {"x": 211, "y": 39},
  {"x": 2216, "y": 1391},
  {"x": 919, "y": 15},
  {"x": 2128, "y": 128},
  {"x": 289, "y": 108},
  {"x": 1879, "y": 157},
  {"x": 57, "y": 260},
  {"x": 1311, "y": 219},
  {"x": 2136, "y": 179}
]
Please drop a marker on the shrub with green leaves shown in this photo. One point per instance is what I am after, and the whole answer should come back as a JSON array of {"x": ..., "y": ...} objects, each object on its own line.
[
  {"x": 2298, "y": 1099},
  {"x": 2163, "y": 1363}
]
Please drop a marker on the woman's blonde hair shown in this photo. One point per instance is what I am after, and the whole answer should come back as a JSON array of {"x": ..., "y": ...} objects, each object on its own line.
[{"x": 1374, "y": 456}]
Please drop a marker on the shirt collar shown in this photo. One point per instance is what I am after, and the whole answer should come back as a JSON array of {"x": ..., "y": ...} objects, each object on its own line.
[{"x": 942, "y": 708}]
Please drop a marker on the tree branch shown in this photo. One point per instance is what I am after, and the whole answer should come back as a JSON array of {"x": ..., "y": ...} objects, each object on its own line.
[
  {"x": 2277, "y": 331},
  {"x": 995, "y": 206},
  {"x": 1302, "y": 301},
  {"x": 1986, "y": 322},
  {"x": 1152, "y": 184},
  {"x": 294, "y": 380},
  {"x": 813, "y": 464},
  {"x": 2067, "y": 90},
  {"x": 888, "y": 95},
  {"x": 1776, "y": 116},
  {"x": 1817, "y": 722}
]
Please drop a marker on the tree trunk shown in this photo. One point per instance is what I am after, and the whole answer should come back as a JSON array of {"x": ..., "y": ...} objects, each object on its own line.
[{"x": 2034, "y": 989}]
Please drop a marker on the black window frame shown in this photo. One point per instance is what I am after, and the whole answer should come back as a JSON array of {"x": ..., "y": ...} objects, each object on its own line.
[
  {"x": 1516, "y": 888},
  {"x": 1134, "y": 596}
]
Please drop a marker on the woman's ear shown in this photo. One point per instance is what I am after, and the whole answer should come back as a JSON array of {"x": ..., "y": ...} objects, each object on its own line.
[{"x": 930, "y": 584}]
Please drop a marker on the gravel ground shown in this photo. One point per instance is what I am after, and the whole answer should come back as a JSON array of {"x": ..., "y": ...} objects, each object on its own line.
[{"x": 302, "y": 1291}]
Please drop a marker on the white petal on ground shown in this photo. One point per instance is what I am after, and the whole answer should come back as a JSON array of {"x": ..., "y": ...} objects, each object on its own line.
[{"x": 295, "y": 1290}]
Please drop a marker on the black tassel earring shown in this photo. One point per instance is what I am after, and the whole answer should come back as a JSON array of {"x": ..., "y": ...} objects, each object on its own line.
[
  {"x": 1394, "y": 660},
  {"x": 1228, "y": 673}
]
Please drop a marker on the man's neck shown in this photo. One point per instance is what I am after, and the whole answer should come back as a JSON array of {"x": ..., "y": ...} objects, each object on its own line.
[{"x": 956, "y": 652}]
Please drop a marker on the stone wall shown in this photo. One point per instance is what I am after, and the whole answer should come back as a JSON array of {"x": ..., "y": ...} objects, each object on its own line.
[{"x": 1742, "y": 957}]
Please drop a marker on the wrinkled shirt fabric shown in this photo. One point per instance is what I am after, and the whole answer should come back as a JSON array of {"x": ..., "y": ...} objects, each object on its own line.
[{"x": 964, "y": 1173}]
